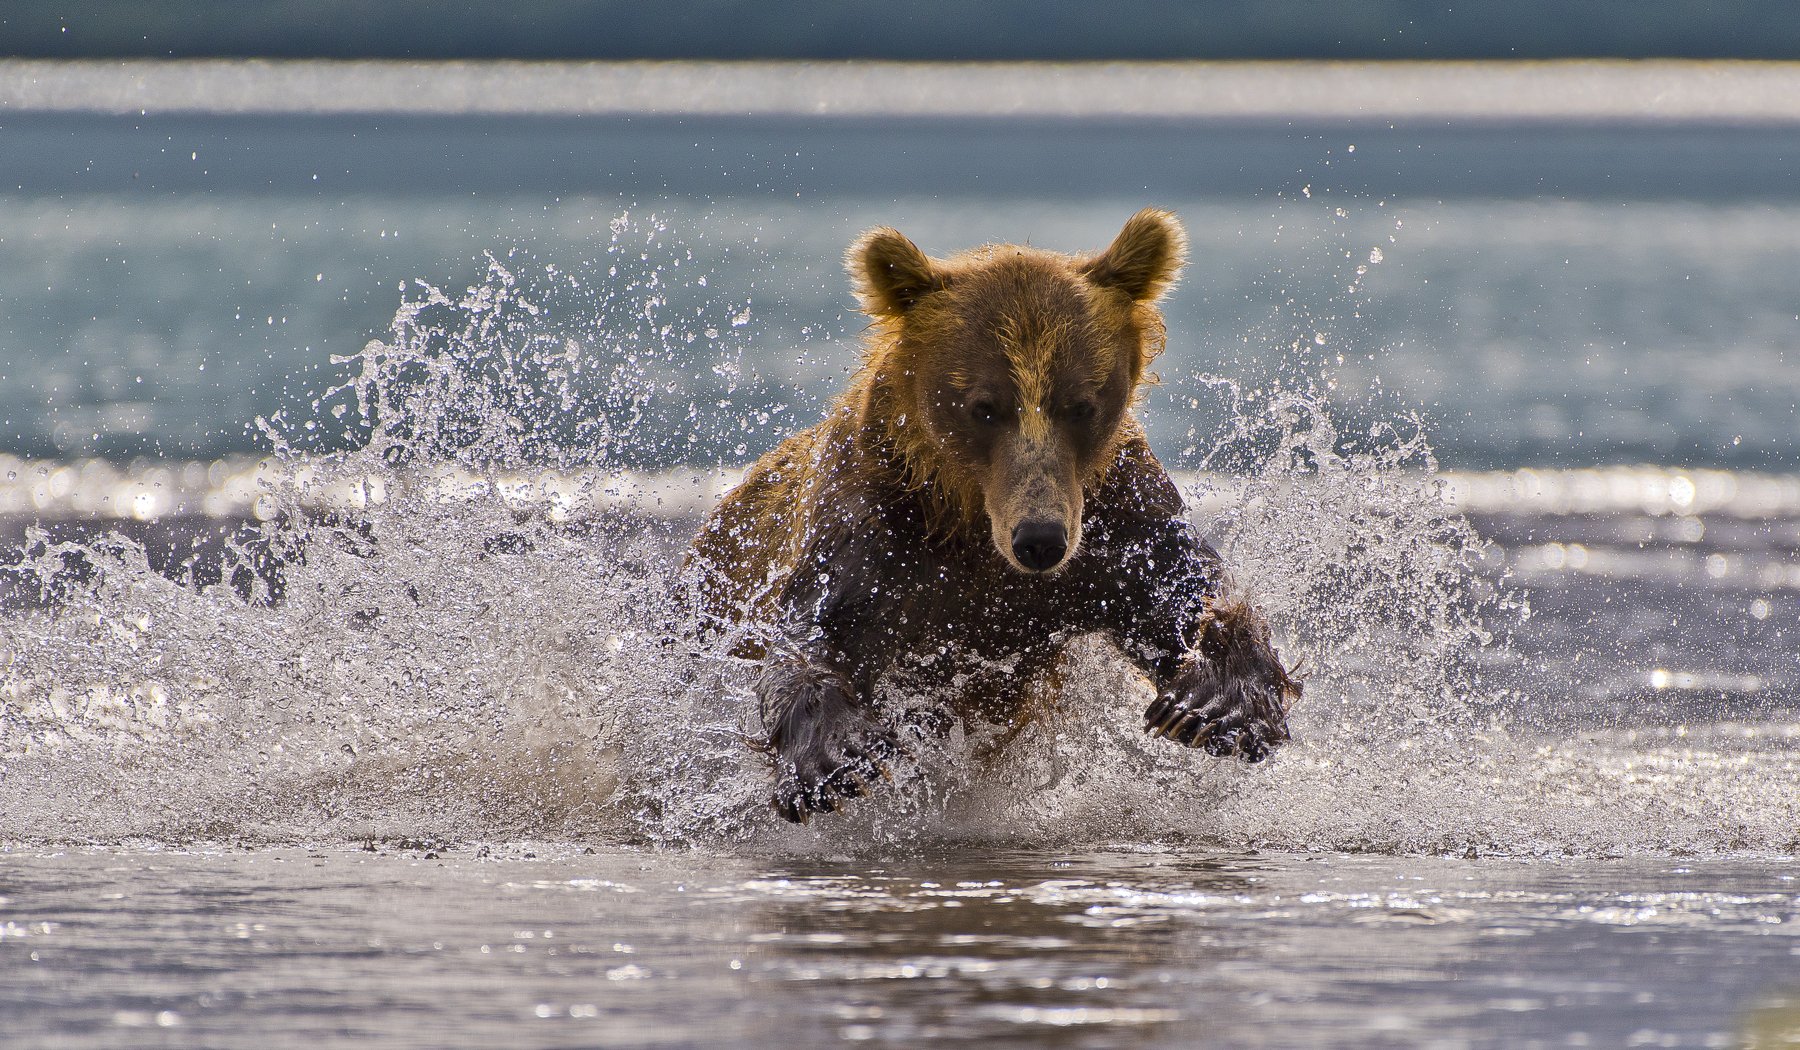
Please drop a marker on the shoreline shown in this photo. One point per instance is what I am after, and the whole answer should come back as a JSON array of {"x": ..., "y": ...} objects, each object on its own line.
[{"x": 1656, "y": 92}]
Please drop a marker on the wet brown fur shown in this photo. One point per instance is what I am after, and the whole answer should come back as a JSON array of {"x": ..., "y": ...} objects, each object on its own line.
[{"x": 882, "y": 533}]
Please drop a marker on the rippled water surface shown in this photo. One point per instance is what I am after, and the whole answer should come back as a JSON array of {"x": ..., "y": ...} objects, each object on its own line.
[{"x": 547, "y": 946}]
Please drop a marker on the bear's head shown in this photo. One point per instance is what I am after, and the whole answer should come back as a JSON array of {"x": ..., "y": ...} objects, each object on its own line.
[{"x": 1002, "y": 379}]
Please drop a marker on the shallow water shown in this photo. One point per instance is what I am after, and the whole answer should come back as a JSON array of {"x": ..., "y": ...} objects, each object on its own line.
[
  {"x": 543, "y": 946},
  {"x": 1544, "y": 788}
]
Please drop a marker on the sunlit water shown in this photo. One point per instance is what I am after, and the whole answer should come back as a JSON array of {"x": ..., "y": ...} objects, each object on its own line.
[
  {"x": 527, "y": 946},
  {"x": 395, "y": 737}
]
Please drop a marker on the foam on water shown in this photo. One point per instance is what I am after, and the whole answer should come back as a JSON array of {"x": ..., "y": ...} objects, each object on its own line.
[{"x": 460, "y": 628}]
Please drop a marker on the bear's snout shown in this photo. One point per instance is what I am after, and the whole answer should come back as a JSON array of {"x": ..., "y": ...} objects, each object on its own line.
[
  {"x": 1040, "y": 545},
  {"x": 1033, "y": 496}
]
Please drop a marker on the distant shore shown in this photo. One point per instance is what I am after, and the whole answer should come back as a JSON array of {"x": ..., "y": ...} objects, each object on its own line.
[
  {"x": 1655, "y": 92},
  {"x": 242, "y": 488}
]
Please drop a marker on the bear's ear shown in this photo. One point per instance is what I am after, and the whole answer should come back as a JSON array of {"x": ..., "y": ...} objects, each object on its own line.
[
  {"x": 1144, "y": 258},
  {"x": 889, "y": 272}
]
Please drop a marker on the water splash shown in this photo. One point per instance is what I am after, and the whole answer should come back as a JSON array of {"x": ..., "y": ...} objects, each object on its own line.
[
  {"x": 432, "y": 631},
  {"x": 449, "y": 618}
]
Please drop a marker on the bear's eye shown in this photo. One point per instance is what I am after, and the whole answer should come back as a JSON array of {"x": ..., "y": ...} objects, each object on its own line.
[
  {"x": 1079, "y": 411},
  {"x": 985, "y": 412}
]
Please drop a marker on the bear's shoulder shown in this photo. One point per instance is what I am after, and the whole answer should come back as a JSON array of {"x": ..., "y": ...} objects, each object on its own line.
[{"x": 1137, "y": 486}]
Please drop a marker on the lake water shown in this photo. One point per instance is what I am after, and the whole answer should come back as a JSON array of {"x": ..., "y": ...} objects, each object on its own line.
[
  {"x": 532, "y": 947},
  {"x": 385, "y": 740}
]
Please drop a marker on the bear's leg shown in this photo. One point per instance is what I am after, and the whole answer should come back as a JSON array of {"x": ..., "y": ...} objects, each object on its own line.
[
  {"x": 826, "y": 745},
  {"x": 1230, "y": 696}
]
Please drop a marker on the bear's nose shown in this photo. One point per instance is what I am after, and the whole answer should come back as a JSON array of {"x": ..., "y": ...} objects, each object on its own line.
[{"x": 1040, "y": 545}]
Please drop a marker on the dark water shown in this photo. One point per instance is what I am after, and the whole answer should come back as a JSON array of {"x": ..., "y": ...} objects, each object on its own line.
[
  {"x": 1497, "y": 426},
  {"x": 427, "y": 947}
]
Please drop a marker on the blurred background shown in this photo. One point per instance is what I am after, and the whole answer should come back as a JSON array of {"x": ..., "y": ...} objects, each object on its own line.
[
  {"x": 925, "y": 29},
  {"x": 1553, "y": 287}
]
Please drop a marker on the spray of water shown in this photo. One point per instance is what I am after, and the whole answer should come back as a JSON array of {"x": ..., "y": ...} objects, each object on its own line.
[
  {"x": 452, "y": 620},
  {"x": 432, "y": 632}
]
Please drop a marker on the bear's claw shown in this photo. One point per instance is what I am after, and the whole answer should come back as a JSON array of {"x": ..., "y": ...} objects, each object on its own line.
[
  {"x": 1224, "y": 717},
  {"x": 821, "y": 784}
]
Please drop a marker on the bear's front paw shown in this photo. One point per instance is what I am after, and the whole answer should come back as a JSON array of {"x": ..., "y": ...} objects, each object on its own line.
[
  {"x": 832, "y": 768},
  {"x": 1241, "y": 716},
  {"x": 827, "y": 747}
]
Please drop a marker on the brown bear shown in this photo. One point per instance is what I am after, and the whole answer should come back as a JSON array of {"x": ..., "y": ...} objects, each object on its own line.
[{"x": 979, "y": 496}]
